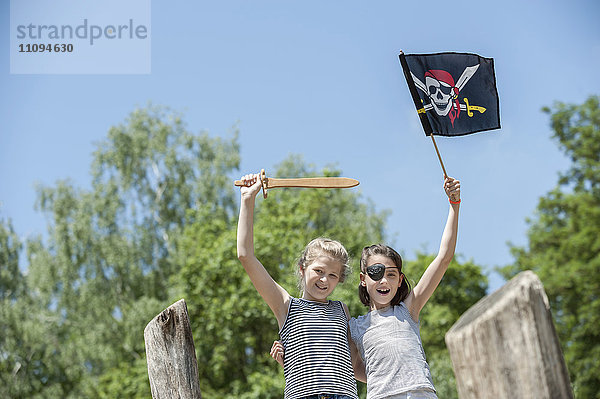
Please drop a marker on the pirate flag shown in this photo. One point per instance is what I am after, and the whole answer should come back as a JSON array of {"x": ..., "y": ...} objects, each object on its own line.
[{"x": 455, "y": 93}]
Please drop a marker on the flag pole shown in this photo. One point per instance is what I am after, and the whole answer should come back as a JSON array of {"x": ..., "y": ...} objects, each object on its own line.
[
  {"x": 419, "y": 105},
  {"x": 439, "y": 156}
]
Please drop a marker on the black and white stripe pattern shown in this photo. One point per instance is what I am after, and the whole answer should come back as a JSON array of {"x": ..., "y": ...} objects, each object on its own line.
[{"x": 317, "y": 356}]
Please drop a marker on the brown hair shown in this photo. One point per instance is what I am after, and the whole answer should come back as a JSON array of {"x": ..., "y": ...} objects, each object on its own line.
[
  {"x": 323, "y": 247},
  {"x": 388, "y": 252}
]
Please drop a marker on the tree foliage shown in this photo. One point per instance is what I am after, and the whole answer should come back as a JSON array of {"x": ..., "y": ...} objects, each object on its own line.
[
  {"x": 104, "y": 270},
  {"x": 11, "y": 278},
  {"x": 564, "y": 243},
  {"x": 11, "y": 288}
]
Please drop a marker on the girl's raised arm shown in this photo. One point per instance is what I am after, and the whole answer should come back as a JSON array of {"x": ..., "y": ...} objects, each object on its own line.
[
  {"x": 274, "y": 295},
  {"x": 419, "y": 296}
]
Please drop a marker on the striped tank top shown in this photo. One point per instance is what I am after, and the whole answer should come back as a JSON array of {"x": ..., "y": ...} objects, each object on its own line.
[{"x": 317, "y": 356}]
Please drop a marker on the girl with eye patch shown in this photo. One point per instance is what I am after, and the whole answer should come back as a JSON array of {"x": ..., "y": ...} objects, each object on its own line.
[{"x": 388, "y": 337}]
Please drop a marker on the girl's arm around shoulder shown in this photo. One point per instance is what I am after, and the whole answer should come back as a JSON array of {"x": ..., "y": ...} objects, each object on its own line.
[
  {"x": 274, "y": 295},
  {"x": 419, "y": 296},
  {"x": 358, "y": 364}
]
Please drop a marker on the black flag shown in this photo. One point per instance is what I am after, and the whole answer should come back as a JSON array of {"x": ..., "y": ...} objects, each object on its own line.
[{"x": 455, "y": 93}]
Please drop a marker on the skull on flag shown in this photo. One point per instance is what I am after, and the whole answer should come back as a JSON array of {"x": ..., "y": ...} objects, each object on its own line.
[{"x": 443, "y": 93}]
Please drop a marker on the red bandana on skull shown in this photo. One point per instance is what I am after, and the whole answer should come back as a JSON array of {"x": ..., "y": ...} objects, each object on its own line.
[{"x": 443, "y": 93}]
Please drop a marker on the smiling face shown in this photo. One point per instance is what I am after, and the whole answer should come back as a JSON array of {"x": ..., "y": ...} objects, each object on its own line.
[
  {"x": 381, "y": 292},
  {"x": 320, "y": 278}
]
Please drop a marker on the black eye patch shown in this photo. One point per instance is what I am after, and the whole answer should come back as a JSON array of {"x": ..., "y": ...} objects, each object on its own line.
[{"x": 376, "y": 271}]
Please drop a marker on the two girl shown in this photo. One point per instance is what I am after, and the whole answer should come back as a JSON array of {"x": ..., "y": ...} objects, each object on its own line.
[
  {"x": 388, "y": 337},
  {"x": 313, "y": 329}
]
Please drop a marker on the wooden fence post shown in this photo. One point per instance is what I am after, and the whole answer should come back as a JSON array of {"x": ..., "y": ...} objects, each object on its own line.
[
  {"x": 171, "y": 356},
  {"x": 505, "y": 346}
]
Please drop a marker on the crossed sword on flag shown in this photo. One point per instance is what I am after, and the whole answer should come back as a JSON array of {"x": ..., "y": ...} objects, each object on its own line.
[
  {"x": 462, "y": 81},
  {"x": 306, "y": 182}
]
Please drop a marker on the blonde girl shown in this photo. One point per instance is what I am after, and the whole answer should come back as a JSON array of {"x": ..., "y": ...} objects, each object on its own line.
[{"x": 313, "y": 329}]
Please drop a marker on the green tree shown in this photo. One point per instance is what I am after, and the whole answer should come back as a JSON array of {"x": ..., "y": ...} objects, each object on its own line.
[
  {"x": 11, "y": 287},
  {"x": 28, "y": 331},
  {"x": 233, "y": 328},
  {"x": 463, "y": 284},
  {"x": 11, "y": 278},
  {"x": 104, "y": 270},
  {"x": 564, "y": 246}
]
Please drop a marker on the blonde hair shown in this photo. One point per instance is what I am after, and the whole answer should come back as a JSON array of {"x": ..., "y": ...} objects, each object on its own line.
[{"x": 323, "y": 247}]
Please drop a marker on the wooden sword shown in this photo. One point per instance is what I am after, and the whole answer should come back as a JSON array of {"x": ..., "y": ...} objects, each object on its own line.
[{"x": 306, "y": 182}]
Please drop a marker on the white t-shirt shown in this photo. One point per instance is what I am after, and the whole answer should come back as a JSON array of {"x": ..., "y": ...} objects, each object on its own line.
[{"x": 390, "y": 344}]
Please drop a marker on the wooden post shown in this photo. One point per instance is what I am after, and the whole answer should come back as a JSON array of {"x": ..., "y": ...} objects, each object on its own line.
[
  {"x": 171, "y": 356},
  {"x": 505, "y": 346}
]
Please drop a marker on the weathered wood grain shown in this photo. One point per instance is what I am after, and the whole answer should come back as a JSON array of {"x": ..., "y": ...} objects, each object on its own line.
[
  {"x": 171, "y": 356},
  {"x": 505, "y": 346}
]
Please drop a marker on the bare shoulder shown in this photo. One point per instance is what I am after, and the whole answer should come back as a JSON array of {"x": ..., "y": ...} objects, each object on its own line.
[{"x": 410, "y": 303}]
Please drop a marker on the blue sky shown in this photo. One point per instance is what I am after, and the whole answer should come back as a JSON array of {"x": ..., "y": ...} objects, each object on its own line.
[{"x": 322, "y": 79}]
